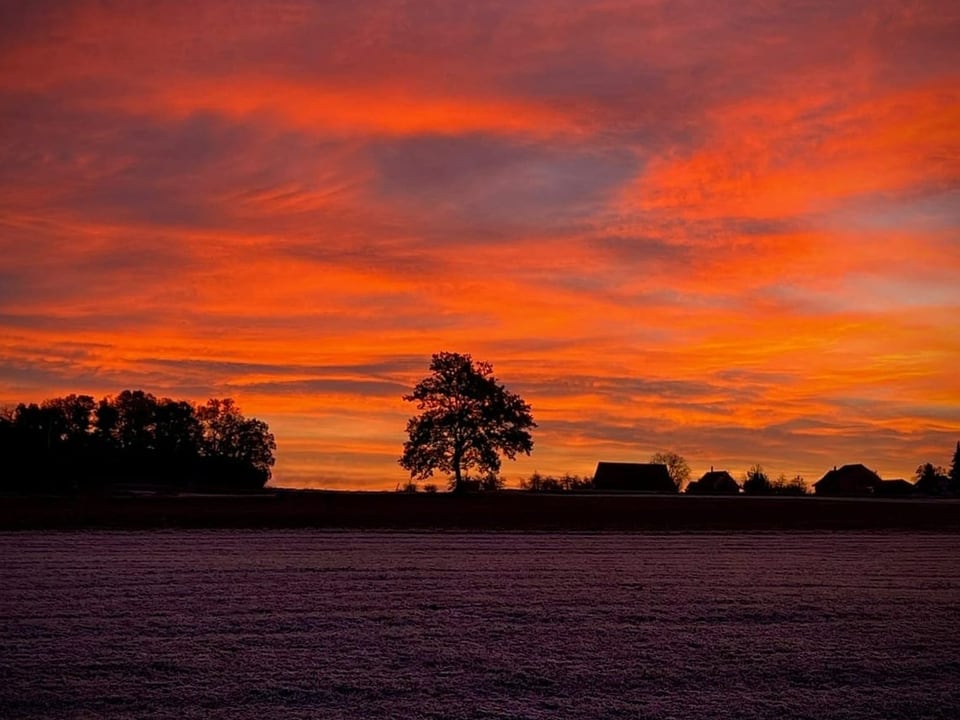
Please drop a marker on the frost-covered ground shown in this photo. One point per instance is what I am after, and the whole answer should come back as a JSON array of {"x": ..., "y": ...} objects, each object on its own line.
[{"x": 246, "y": 624}]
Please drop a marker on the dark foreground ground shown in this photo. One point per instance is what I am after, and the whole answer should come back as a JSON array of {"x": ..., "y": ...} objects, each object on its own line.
[
  {"x": 347, "y": 625},
  {"x": 495, "y": 511}
]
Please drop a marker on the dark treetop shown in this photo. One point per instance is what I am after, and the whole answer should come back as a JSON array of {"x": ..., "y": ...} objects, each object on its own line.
[
  {"x": 467, "y": 420},
  {"x": 76, "y": 444}
]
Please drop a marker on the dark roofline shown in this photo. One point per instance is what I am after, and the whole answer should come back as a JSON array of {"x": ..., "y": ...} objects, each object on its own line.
[{"x": 849, "y": 467}]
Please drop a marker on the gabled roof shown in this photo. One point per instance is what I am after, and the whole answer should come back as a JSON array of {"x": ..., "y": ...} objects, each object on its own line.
[
  {"x": 856, "y": 472},
  {"x": 714, "y": 481},
  {"x": 715, "y": 476},
  {"x": 898, "y": 487},
  {"x": 898, "y": 482},
  {"x": 855, "y": 479},
  {"x": 638, "y": 477}
]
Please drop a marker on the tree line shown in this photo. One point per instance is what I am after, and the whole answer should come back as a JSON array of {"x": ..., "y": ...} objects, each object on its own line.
[
  {"x": 929, "y": 479},
  {"x": 133, "y": 439},
  {"x": 468, "y": 419}
]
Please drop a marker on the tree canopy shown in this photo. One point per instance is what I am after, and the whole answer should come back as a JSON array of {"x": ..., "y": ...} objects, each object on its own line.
[
  {"x": 931, "y": 479},
  {"x": 467, "y": 420},
  {"x": 757, "y": 482},
  {"x": 75, "y": 443}
]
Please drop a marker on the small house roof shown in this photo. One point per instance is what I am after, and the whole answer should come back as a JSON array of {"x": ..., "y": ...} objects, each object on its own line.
[
  {"x": 898, "y": 482},
  {"x": 714, "y": 482},
  {"x": 895, "y": 488},
  {"x": 713, "y": 476},
  {"x": 643, "y": 477},
  {"x": 853, "y": 473}
]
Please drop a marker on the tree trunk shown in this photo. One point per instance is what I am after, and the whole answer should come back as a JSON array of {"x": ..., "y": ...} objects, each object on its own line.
[
  {"x": 457, "y": 478},
  {"x": 457, "y": 457}
]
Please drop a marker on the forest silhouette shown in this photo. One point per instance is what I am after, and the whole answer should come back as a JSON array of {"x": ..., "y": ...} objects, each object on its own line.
[{"x": 133, "y": 440}]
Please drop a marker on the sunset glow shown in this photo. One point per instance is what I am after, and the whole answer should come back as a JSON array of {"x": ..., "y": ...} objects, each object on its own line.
[{"x": 727, "y": 229}]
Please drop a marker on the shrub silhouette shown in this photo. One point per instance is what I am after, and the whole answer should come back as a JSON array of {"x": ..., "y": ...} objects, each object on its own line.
[
  {"x": 548, "y": 483},
  {"x": 795, "y": 486},
  {"x": 954, "y": 484},
  {"x": 932, "y": 480},
  {"x": 756, "y": 482}
]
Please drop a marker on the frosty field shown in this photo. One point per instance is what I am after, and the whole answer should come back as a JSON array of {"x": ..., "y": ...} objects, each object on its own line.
[{"x": 251, "y": 624}]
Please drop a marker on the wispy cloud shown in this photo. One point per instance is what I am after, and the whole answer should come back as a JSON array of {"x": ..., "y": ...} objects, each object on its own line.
[{"x": 724, "y": 228}]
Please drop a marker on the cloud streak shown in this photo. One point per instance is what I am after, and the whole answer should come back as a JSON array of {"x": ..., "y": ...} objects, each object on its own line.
[{"x": 728, "y": 229}]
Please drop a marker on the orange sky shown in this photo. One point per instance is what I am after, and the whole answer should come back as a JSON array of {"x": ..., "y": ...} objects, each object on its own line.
[{"x": 729, "y": 229}]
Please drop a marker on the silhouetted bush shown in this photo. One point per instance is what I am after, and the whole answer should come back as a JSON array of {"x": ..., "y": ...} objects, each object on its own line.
[
  {"x": 932, "y": 480},
  {"x": 548, "y": 483},
  {"x": 955, "y": 472},
  {"x": 756, "y": 482},
  {"x": 133, "y": 441},
  {"x": 795, "y": 486},
  {"x": 488, "y": 482}
]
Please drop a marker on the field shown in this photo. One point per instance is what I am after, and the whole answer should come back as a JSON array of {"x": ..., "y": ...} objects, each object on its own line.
[
  {"x": 509, "y": 510},
  {"x": 250, "y": 624}
]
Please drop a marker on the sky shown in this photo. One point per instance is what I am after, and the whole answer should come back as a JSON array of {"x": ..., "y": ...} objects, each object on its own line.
[{"x": 726, "y": 229}]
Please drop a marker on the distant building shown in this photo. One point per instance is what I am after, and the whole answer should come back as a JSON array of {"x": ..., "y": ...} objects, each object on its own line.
[
  {"x": 857, "y": 480},
  {"x": 715, "y": 482},
  {"x": 633, "y": 477},
  {"x": 895, "y": 488}
]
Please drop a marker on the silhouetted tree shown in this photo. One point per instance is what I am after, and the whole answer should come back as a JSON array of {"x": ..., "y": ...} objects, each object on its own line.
[
  {"x": 576, "y": 482},
  {"x": 677, "y": 467},
  {"x": 795, "y": 486},
  {"x": 467, "y": 420},
  {"x": 931, "y": 479},
  {"x": 178, "y": 431},
  {"x": 491, "y": 482},
  {"x": 71, "y": 418},
  {"x": 106, "y": 419},
  {"x": 136, "y": 423},
  {"x": 548, "y": 483},
  {"x": 756, "y": 482},
  {"x": 955, "y": 471},
  {"x": 533, "y": 483},
  {"x": 238, "y": 447},
  {"x": 35, "y": 427},
  {"x": 46, "y": 442},
  {"x": 9, "y": 451}
]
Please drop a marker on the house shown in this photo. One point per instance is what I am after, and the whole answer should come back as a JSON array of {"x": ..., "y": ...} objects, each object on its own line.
[
  {"x": 895, "y": 488},
  {"x": 849, "y": 480},
  {"x": 633, "y": 477},
  {"x": 715, "y": 482}
]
